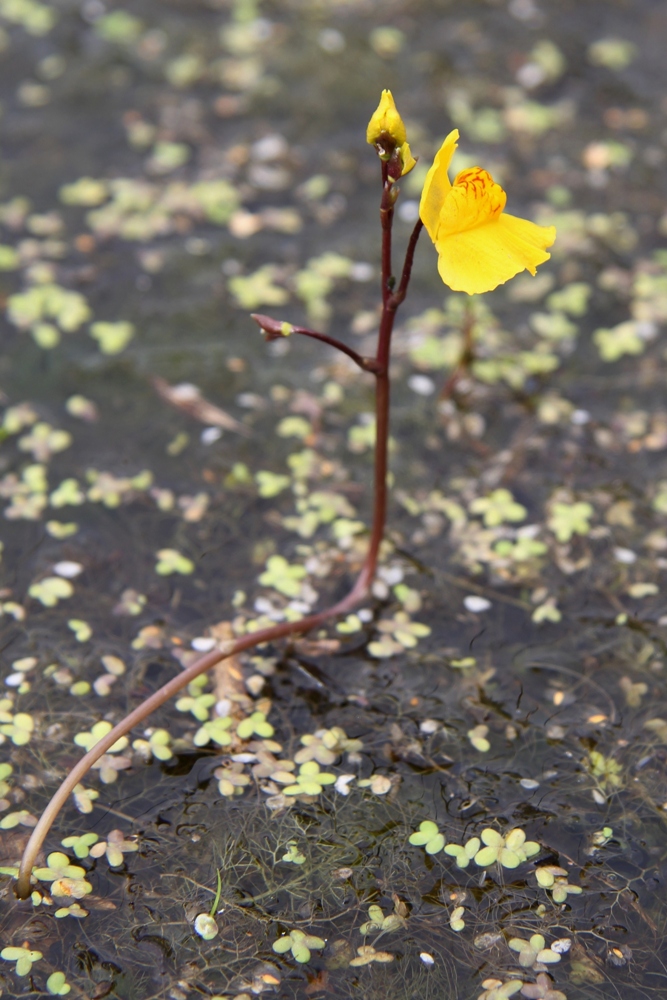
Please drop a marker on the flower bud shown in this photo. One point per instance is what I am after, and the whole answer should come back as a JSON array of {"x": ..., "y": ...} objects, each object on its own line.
[{"x": 386, "y": 128}]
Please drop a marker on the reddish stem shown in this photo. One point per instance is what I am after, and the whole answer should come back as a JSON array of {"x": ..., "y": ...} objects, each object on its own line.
[
  {"x": 402, "y": 289},
  {"x": 274, "y": 330}
]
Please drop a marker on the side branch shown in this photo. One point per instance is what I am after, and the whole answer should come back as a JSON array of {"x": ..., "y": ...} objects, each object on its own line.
[
  {"x": 273, "y": 329},
  {"x": 402, "y": 289}
]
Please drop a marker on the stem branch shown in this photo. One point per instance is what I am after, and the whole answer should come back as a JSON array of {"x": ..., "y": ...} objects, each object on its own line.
[{"x": 274, "y": 330}]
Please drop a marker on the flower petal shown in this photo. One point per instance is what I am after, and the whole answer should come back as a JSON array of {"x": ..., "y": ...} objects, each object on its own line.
[
  {"x": 437, "y": 185},
  {"x": 480, "y": 259}
]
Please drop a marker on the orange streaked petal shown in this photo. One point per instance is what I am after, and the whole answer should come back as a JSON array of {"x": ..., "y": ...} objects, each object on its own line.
[
  {"x": 478, "y": 260},
  {"x": 437, "y": 185},
  {"x": 473, "y": 200}
]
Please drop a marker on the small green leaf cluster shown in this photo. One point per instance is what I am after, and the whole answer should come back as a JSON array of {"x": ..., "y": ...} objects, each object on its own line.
[
  {"x": 299, "y": 943},
  {"x": 509, "y": 850}
]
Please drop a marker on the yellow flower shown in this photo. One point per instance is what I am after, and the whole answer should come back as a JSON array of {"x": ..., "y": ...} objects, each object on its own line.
[
  {"x": 386, "y": 122},
  {"x": 479, "y": 246}
]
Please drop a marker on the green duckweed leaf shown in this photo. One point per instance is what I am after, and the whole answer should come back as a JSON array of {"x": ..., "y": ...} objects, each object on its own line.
[
  {"x": 112, "y": 337},
  {"x": 57, "y": 984},
  {"x": 171, "y": 561}
]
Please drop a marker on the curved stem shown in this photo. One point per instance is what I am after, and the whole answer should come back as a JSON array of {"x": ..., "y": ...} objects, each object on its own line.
[{"x": 275, "y": 330}]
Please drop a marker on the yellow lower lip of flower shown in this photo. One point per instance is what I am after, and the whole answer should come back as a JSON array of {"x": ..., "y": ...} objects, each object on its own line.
[{"x": 478, "y": 260}]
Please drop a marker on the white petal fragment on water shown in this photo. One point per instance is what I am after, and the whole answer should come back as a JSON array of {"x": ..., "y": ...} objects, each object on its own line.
[
  {"x": 68, "y": 569},
  {"x": 476, "y": 604}
]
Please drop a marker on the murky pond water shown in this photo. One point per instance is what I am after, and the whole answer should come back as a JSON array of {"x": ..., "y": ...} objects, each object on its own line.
[{"x": 166, "y": 168}]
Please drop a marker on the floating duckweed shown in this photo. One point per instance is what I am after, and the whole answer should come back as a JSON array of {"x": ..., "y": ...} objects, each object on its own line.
[
  {"x": 554, "y": 879},
  {"x": 396, "y": 635},
  {"x": 112, "y": 337},
  {"x": 379, "y": 784},
  {"x": 172, "y": 561},
  {"x": 5, "y": 771},
  {"x": 80, "y": 843},
  {"x": 542, "y": 989},
  {"x": 157, "y": 745},
  {"x": 9, "y": 258},
  {"x": 79, "y": 688},
  {"x": 87, "y": 191},
  {"x": 270, "y": 484},
  {"x": 299, "y": 944},
  {"x": 456, "y": 921},
  {"x": 113, "y": 848},
  {"x": 254, "y": 725},
  {"x": 293, "y": 855},
  {"x": 310, "y": 780},
  {"x": 73, "y": 910},
  {"x": 20, "y": 818},
  {"x": 50, "y": 590},
  {"x": 428, "y": 836},
  {"x": 465, "y": 854},
  {"x": 378, "y": 922},
  {"x": 499, "y": 507},
  {"x": 57, "y": 984},
  {"x": 618, "y": 341},
  {"x": 509, "y": 850},
  {"x": 167, "y": 156},
  {"x": 68, "y": 493},
  {"x": 477, "y": 737},
  {"x": 613, "y": 53},
  {"x": 282, "y": 576},
  {"x": 82, "y": 630},
  {"x": 216, "y": 730},
  {"x": 24, "y": 957},
  {"x": 367, "y": 954},
  {"x": 35, "y": 17},
  {"x": 89, "y": 739},
  {"x": 231, "y": 779},
  {"x": 66, "y": 879},
  {"x": 568, "y": 519},
  {"x": 69, "y": 310},
  {"x": 198, "y": 704},
  {"x": 495, "y": 989},
  {"x": 325, "y": 746},
  {"x": 119, "y": 27},
  {"x": 258, "y": 289},
  {"x": 547, "y": 612},
  {"x": 19, "y": 729},
  {"x": 532, "y": 951},
  {"x": 84, "y": 798},
  {"x": 605, "y": 770},
  {"x": 351, "y": 624}
]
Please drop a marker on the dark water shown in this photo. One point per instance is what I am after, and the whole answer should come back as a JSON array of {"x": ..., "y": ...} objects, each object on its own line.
[{"x": 562, "y": 662}]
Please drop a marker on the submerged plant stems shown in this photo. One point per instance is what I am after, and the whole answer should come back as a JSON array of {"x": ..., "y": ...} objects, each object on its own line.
[{"x": 379, "y": 367}]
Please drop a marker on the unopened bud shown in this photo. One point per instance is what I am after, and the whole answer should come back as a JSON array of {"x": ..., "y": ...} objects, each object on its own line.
[{"x": 386, "y": 128}]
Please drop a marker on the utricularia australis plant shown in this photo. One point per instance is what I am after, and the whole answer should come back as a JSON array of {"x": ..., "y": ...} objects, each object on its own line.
[{"x": 479, "y": 247}]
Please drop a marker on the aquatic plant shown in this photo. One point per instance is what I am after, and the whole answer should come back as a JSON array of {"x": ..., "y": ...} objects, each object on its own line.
[{"x": 479, "y": 247}]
